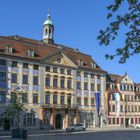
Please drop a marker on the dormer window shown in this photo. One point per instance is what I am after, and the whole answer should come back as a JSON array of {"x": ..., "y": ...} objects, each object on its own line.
[
  {"x": 93, "y": 65},
  {"x": 9, "y": 49},
  {"x": 81, "y": 63},
  {"x": 31, "y": 53}
]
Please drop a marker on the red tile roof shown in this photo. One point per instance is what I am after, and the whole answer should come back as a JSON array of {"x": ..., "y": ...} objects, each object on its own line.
[{"x": 21, "y": 45}]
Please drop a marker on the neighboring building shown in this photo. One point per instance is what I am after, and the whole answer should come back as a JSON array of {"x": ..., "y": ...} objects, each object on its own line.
[
  {"x": 58, "y": 83},
  {"x": 122, "y": 100},
  {"x": 89, "y": 83}
]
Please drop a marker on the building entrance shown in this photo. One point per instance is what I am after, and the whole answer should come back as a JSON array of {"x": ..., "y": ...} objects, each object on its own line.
[
  {"x": 6, "y": 124},
  {"x": 126, "y": 122},
  {"x": 58, "y": 121}
]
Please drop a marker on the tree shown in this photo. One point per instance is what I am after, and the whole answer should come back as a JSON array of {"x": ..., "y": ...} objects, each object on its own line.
[
  {"x": 131, "y": 19},
  {"x": 16, "y": 107}
]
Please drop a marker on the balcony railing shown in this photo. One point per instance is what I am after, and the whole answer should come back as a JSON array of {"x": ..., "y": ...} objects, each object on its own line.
[{"x": 72, "y": 106}]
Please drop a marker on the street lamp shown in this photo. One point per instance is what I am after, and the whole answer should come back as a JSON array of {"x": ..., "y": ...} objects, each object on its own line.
[{"x": 125, "y": 103}]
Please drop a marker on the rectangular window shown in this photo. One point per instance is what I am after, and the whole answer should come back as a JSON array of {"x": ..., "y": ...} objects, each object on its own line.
[
  {"x": 92, "y": 86},
  {"x": 92, "y": 101},
  {"x": 48, "y": 81},
  {"x": 24, "y": 97},
  {"x": 132, "y": 108},
  {"x": 122, "y": 120},
  {"x": 54, "y": 99},
  {"x": 98, "y": 87},
  {"x": 36, "y": 67},
  {"x": 62, "y": 83},
  {"x": 132, "y": 120},
  {"x": 92, "y": 75},
  {"x": 62, "y": 71},
  {"x": 136, "y": 109},
  {"x": 25, "y": 79},
  {"x": 113, "y": 120},
  {"x": 14, "y": 63},
  {"x": 35, "y": 98},
  {"x": 85, "y": 74},
  {"x": 78, "y": 73},
  {"x": 35, "y": 80},
  {"x": 47, "y": 99},
  {"x": 55, "y": 70},
  {"x": 62, "y": 99},
  {"x": 79, "y": 100},
  {"x": 121, "y": 108},
  {"x": 2, "y": 62},
  {"x": 69, "y": 83},
  {"x": 85, "y": 86},
  {"x": 69, "y": 100},
  {"x": 2, "y": 76},
  {"x": 117, "y": 120},
  {"x": 78, "y": 85},
  {"x": 68, "y": 72},
  {"x": 113, "y": 108},
  {"x": 25, "y": 65},
  {"x": 109, "y": 120},
  {"x": 128, "y": 108},
  {"x": 48, "y": 68},
  {"x": 55, "y": 83},
  {"x": 2, "y": 96},
  {"x": 85, "y": 101},
  {"x": 14, "y": 78}
]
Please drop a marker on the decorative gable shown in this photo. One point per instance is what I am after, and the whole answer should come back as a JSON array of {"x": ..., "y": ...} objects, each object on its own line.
[
  {"x": 60, "y": 59},
  {"x": 126, "y": 79}
]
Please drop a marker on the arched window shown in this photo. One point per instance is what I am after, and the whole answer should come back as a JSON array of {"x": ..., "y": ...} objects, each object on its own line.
[
  {"x": 49, "y": 31},
  {"x": 46, "y": 32},
  {"x": 29, "y": 119}
]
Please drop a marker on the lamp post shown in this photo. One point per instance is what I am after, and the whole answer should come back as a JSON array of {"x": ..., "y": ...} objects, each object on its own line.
[{"x": 125, "y": 103}]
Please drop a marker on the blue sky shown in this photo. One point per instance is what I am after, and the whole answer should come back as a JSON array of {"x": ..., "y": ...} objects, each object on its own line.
[{"x": 77, "y": 24}]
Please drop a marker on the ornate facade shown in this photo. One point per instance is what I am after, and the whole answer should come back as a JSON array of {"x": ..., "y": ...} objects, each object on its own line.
[{"x": 58, "y": 83}]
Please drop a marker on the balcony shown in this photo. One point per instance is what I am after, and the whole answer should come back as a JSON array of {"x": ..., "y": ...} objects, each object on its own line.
[{"x": 59, "y": 106}]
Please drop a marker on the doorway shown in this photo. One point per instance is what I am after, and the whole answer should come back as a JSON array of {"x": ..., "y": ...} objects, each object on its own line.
[
  {"x": 58, "y": 121},
  {"x": 6, "y": 124},
  {"x": 126, "y": 122}
]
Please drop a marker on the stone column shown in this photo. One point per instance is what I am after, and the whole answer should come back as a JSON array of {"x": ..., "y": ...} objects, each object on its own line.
[
  {"x": 75, "y": 116},
  {"x": 41, "y": 117},
  {"x": 67, "y": 119},
  {"x": 52, "y": 119}
]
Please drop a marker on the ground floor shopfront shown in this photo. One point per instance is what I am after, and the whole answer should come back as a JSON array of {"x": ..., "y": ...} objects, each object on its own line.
[{"x": 122, "y": 121}]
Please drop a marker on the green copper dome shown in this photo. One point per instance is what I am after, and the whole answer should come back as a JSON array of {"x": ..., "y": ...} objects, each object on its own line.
[{"x": 48, "y": 21}]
